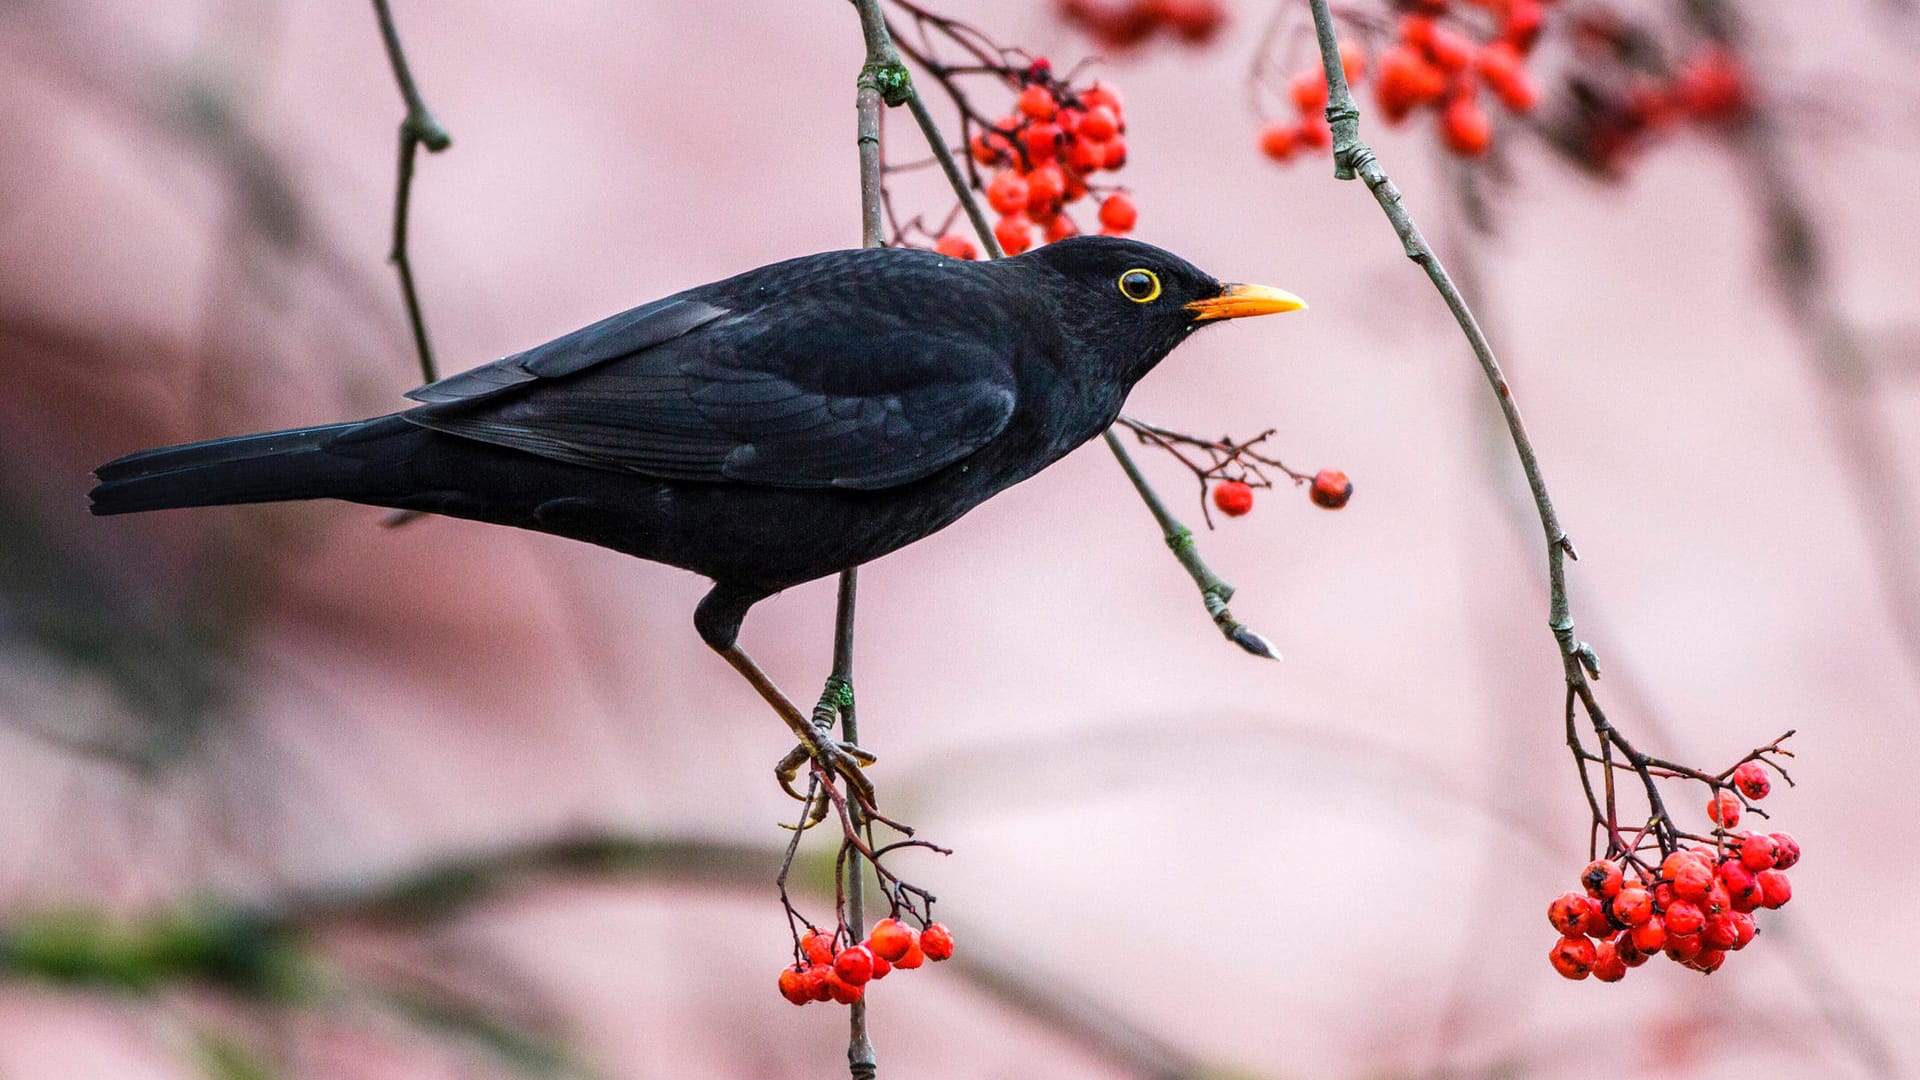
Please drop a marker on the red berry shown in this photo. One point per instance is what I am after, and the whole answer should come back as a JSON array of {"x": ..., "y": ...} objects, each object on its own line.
[
  {"x": 1775, "y": 889},
  {"x": 1405, "y": 80},
  {"x": 1573, "y": 957},
  {"x": 1758, "y": 851},
  {"x": 914, "y": 957},
  {"x": 1233, "y": 497},
  {"x": 1309, "y": 89},
  {"x": 1719, "y": 899},
  {"x": 1007, "y": 192},
  {"x": 854, "y": 965},
  {"x": 1683, "y": 947},
  {"x": 1465, "y": 128},
  {"x": 1684, "y": 917},
  {"x": 816, "y": 977},
  {"x": 1353, "y": 62},
  {"x": 1417, "y": 31},
  {"x": 1523, "y": 23},
  {"x": 1652, "y": 937},
  {"x": 1602, "y": 877},
  {"x": 1693, "y": 881},
  {"x": 1628, "y": 952},
  {"x": 1743, "y": 929},
  {"x": 955, "y": 246},
  {"x": 1632, "y": 906},
  {"x": 1742, "y": 890},
  {"x": 1042, "y": 141},
  {"x": 1037, "y": 102},
  {"x": 1195, "y": 20},
  {"x": 1118, "y": 212},
  {"x": 1099, "y": 124},
  {"x": 890, "y": 940},
  {"x": 1331, "y": 489},
  {"x": 1786, "y": 851},
  {"x": 880, "y": 965},
  {"x": 1718, "y": 933},
  {"x": 989, "y": 147},
  {"x": 1045, "y": 184},
  {"x": 793, "y": 985},
  {"x": 1450, "y": 51},
  {"x": 1015, "y": 233},
  {"x": 817, "y": 947},
  {"x": 1506, "y": 75},
  {"x": 936, "y": 941},
  {"x": 1314, "y": 133},
  {"x": 1751, "y": 778},
  {"x": 842, "y": 991},
  {"x": 1724, "y": 809},
  {"x": 1103, "y": 94},
  {"x": 1607, "y": 964},
  {"x": 1059, "y": 227},
  {"x": 1114, "y": 154},
  {"x": 1708, "y": 960},
  {"x": 1713, "y": 87},
  {"x": 1276, "y": 140}
]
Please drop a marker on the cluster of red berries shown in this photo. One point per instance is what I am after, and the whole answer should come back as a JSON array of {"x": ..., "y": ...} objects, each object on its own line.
[
  {"x": 827, "y": 973},
  {"x": 1330, "y": 489},
  {"x": 1045, "y": 152},
  {"x": 1711, "y": 88},
  {"x": 1126, "y": 24},
  {"x": 1432, "y": 64},
  {"x": 1696, "y": 909}
]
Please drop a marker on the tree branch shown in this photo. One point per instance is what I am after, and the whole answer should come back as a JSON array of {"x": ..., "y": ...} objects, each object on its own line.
[{"x": 418, "y": 128}]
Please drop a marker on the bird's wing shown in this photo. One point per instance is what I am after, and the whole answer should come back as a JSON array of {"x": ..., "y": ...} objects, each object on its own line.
[{"x": 794, "y": 402}]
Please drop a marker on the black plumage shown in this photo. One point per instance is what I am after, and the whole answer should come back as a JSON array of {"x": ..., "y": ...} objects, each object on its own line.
[{"x": 772, "y": 428}]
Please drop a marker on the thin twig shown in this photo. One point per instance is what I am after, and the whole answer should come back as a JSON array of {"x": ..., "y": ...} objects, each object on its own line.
[{"x": 418, "y": 128}]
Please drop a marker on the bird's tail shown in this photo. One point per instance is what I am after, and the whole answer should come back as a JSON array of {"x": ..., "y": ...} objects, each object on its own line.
[{"x": 270, "y": 467}]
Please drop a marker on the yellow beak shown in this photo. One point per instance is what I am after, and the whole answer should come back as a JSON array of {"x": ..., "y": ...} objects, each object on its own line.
[{"x": 1240, "y": 301}]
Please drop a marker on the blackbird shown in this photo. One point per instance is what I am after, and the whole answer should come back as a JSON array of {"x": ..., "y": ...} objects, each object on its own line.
[{"x": 765, "y": 430}]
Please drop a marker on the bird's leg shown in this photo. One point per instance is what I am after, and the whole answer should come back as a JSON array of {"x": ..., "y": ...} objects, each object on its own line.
[{"x": 832, "y": 758}]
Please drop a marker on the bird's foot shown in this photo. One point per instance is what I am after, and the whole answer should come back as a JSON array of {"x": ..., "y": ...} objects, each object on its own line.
[{"x": 831, "y": 758}]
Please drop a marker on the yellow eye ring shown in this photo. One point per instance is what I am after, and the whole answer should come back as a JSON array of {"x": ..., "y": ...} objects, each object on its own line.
[{"x": 1140, "y": 285}]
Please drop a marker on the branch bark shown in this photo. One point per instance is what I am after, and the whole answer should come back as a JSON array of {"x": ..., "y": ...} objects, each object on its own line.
[{"x": 418, "y": 128}]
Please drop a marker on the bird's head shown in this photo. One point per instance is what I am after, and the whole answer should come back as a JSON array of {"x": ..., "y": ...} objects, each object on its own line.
[{"x": 1130, "y": 303}]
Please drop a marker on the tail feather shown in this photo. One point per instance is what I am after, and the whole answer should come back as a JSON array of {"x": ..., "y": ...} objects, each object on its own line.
[{"x": 268, "y": 467}]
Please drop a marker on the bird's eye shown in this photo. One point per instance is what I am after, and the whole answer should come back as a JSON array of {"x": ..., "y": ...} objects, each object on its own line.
[{"x": 1140, "y": 286}]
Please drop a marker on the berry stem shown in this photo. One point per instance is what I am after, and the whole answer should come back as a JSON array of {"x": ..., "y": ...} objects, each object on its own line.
[{"x": 418, "y": 128}]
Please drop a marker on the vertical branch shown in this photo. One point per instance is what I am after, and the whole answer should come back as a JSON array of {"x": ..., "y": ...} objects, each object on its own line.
[
  {"x": 880, "y": 71},
  {"x": 418, "y": 128}
]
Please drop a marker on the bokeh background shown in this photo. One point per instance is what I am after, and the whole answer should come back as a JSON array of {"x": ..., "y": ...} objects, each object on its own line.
[{"x": 454, "y": 801}]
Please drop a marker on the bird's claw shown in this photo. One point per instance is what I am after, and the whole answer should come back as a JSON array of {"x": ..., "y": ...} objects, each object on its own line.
[{"x": 832, "y": 758}]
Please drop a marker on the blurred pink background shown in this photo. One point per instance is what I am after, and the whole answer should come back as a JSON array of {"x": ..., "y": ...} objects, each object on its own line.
[{"x": 1334, "y": 866}]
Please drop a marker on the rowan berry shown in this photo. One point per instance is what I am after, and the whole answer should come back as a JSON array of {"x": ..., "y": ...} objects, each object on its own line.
[
  {"x": 880, "y": 965},
  {"x": 1752, "y": 780},
  {"x": 1353, "y": 62},
  {"x": 1465, "y": 127},
  {"x": 1042, "y": 141},
  {"x": 890, "y": 940},
  {"x": 1045, "y": 185},
  {"x": 1713, "y": 86},
  {"x": 1573, "y": 957},
  {"x": 854, "y": 964},
  {"x": 1608, "y": 966},
  {"x": 1739, "y": 882},
  {"x": 1099, "y": 124},
  {"x": 1522, "y": 25},
  {"x": 1194, "y": 20},
  {"x": 1037, "y": 102},
  {"x": 1451, "y": 52},
  {"x": 1113, "y": 153},
  {"x": 1086, "y": 157},
  {"x": 1786, "y": 851},
  {"x": 1103, "y": 94},
  {"x": 1405, "y": 80},
  {"x": 816, "y": 977},
  {"x": 914, "y": 956},
  {"x": 1309, "y": 90},
  {"x": 1007, "y": 192},
  {"x": 1743, "y": 929},
  {"x": 1233, "y": 497},
  {"x": 989, "y": 147},
  {"x": 1277, "y": 140},
  {"x": 1117, "y": 212},
  {"x": 1015, "y": 233},
  {"x": 1628, "y": 952},
  {"x": 793, "y": 985},
  {"x": 1758, "y": 851},
  {"x": 1775, "y": 889},
  {"x": 1724, "y": 809},
  {"x": 1652, "y": 937},
  {"x": 1718, "y": 933},
  {"x": 953, "y": 245},
  {"x": 816, "y": 946},
  {"x": 1684, "y": 917},
  {"x": 1632, "y": 906},
  {"x": 1692, "y": 881},
  {"x": 936, "y": 941},
  {"x": 842, "y": 991},
  {"x": 1708, "y": 961},
  {"x": 1683, "y": 947},
  {"x": 1059, "y": 227},
  {"x": 1718, "y": 901},
  {"x": 1506, "y": 75},
  {"x": 1314, "y": 133},
  {"x": 1603, "y": 878},
  {"x": 1568, "y": 912},
  {"x": 1331, "y": 489}
]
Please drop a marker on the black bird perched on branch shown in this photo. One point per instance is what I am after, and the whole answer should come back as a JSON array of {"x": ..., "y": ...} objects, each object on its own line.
[{"x": 769, "y": 429}]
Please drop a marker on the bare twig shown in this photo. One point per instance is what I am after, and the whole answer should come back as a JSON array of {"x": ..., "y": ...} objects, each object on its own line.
[{"x": 418, "y": 128}]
